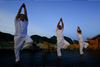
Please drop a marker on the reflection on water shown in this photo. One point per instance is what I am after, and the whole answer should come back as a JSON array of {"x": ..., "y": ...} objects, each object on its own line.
[{"x": 42, "y": 58}]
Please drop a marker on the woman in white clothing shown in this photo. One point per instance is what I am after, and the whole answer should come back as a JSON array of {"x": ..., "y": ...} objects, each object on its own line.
[
  {"x": 81, "y": 42},
  {"x": 61, "y": 42},
  {"x": 21, "y": 38}
]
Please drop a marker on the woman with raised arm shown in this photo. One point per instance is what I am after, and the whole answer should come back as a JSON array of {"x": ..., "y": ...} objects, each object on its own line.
[
  {"x": 21, "y": 39},
  {"x": 81, "y": 42},
  {"x": 61, "y": 42}
]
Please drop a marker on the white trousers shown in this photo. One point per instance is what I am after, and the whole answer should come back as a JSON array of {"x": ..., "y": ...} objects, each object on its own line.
[
  {"x": 19, "y": 42},
  {"x": 81, "y": 48},
  {"x": 83, "y": 45},
  {"x": 62, "y": 44}
]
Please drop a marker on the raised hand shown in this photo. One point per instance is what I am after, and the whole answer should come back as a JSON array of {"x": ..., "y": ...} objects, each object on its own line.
[
  {"x": 79, "y": 30},
  {"x": 61, "y": 19},
  {"x": 23, "y": 5}
]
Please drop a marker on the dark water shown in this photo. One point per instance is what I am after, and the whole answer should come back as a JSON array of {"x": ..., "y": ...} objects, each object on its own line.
[{"x": 41, "y": 58}]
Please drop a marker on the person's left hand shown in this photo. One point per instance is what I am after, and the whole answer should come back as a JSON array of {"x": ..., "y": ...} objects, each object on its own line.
[
  {"x": 23, "y": 5},
  {"x": 60, "y": 19}
]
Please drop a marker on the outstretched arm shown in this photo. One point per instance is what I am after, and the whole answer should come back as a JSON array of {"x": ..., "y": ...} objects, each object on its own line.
[
  {"x": 58, "y": 24},
  {"x": 19, "y": 11},
  {"x": 79, "y": 30},
  {"x": 25, "y": 12},
  {"x": 62, "y": 23}
]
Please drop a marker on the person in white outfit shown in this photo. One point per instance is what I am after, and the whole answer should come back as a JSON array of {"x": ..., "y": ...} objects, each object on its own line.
[
  {"x": 21, "y": 39},
  {"x": 81, "y": 42},
  {"x": 61, "y": 42}
]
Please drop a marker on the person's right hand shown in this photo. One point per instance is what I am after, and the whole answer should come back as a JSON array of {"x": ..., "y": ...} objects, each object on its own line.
[
  {"x": 23, "y": 5},
  {"x": 60, "y": 19}
]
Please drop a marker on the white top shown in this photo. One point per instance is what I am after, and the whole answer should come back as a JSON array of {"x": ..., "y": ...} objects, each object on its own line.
[
  {"x": 59, "y": 34},
  {"x": 80, "y": 37},
  {"x": 21, "y": 27}
]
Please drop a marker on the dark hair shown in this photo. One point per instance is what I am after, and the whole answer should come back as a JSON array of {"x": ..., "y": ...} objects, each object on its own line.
[
  {"x": 79, "y": 30},
  {"x": 59, "y": 27},
  {"x": 24, "y": 16}
]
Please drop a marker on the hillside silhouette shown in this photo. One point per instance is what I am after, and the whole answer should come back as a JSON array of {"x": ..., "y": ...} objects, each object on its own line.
[
  {"x": 6, "y": 37},
  {"x": 7, "y": 40}
]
